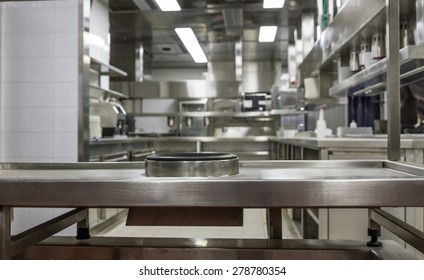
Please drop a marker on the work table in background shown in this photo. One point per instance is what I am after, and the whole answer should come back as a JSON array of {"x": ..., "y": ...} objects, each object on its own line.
[{"x": 137, "y": 148}]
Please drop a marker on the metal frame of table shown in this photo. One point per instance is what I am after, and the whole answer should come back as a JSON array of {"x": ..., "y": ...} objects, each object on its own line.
[{"x": 261, "y": 184}]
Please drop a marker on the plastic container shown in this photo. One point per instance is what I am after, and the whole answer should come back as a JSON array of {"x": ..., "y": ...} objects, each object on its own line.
[{"x": 321, "y": 128}]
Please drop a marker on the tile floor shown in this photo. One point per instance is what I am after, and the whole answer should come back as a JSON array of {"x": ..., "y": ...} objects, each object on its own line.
[{"x": 254, "y": 227}]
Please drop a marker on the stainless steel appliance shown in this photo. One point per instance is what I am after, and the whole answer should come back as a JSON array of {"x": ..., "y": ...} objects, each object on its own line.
[
  {"x": 112, "y": 116},
  {"x": 254, "y": 101}
]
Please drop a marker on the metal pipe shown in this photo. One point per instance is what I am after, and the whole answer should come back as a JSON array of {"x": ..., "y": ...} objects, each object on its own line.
[
  {"x": 393, "y": 79},
  {"x": 83, "y": 80},
  {"x": 38, "y": 233},
  {"x": 5, "y": 233}
]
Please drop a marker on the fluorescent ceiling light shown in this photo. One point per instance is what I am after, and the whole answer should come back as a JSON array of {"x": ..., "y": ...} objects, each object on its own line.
[
  {"x": 267, "y": 33},
  {"x": 273, "y": 4},
  {"x": 168, "y": 5},
  {"x": 192, "y": 45}
]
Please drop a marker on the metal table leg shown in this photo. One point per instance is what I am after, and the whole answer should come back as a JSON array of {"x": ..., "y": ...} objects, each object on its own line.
[
  {"x": 374, "y": 231},
  {"x": 5, "y": 233},
  {"x": 274, "y": 222},
  {"x": 83, "y": 227}
]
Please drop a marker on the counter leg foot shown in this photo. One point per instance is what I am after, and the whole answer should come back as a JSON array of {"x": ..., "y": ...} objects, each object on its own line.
[
  {"x": 374, "y": 231},
  {"x": 83, "y": 228}
]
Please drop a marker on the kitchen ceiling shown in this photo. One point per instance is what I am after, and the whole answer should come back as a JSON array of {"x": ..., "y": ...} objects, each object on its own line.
[{"x": 218, "y": 25}]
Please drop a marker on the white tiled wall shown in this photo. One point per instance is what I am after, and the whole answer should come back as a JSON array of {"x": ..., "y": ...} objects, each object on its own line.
[
  {"x": 39, "y": 76},
  {"x": 39, "y": 89}
]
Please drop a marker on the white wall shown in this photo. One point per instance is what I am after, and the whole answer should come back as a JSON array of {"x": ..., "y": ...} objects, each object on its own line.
[
  {"x": 39, "y": 89},
  {"x": 99, "y": 37}
]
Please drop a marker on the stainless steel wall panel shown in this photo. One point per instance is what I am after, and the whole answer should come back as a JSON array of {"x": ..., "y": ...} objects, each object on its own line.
[{"x": 188, "y": 89}]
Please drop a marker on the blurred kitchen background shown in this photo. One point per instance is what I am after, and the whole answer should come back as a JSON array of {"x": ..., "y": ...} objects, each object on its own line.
[{"x": 102, "y": 80}]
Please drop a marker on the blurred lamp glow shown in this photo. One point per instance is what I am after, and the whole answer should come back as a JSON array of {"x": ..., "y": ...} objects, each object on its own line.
[
  {"x": 168, "y": 5},
  {"x": 192, "y": 45},
  {"x": 267, "y": 33},
  {"x": 273, "y": 4}
]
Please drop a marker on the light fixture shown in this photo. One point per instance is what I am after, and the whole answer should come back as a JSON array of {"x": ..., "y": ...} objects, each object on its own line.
[
  {"x": 192, "y": 45},
  {"x": 168, "y": 5},
  {"x": 273, "y": 4},
  {"x": 267, "y": 33}
]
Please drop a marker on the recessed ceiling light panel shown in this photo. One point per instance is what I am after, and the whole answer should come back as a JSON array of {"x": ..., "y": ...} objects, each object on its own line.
[
  {"x": 168, "y": 5},
  {"x": 192, "y": 45},
  {"x": 273, "y": 4},
  {"x": 267, "y": 33}
]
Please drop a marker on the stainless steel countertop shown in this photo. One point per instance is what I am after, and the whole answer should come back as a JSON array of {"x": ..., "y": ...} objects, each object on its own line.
[
  {"x": 378, "y": 141},
  {"x": 109, "y": 141},
  {"x": 260, "y": 184}
]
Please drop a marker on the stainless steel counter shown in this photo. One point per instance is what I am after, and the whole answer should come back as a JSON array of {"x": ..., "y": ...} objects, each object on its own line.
[
  {"x": 247, "y": 148},
  {"x": 326, "y": 223},
  {"x": 118, "y": 140},
  {"x": 106, "y": 141},
  {"x": 261, "y": 184},
  {"x": 377, "y": 141},
  {"x": 258, "y": 184},
  {"x": 369, "y": 147}
]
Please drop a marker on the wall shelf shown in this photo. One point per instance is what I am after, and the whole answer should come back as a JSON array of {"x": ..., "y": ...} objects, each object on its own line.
[
  {"x": 106, "y": 69},
  {"x": 347, "y": 28},
  {"x": 108, "y": 92},
  {"x": 411, "y": 69}
]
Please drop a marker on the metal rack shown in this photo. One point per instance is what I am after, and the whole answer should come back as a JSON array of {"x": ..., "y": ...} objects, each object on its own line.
[
  {"x": 106, "y": 69},
  {"x": 108, "y": 92},
  {"x": 374, "y": 77},
  {"x": 350, "y": 25}
]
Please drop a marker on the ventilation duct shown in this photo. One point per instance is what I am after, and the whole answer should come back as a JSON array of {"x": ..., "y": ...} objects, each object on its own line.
[
  {"x": 233, "y": 21},
  {"x": 142, "y": 5}
]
